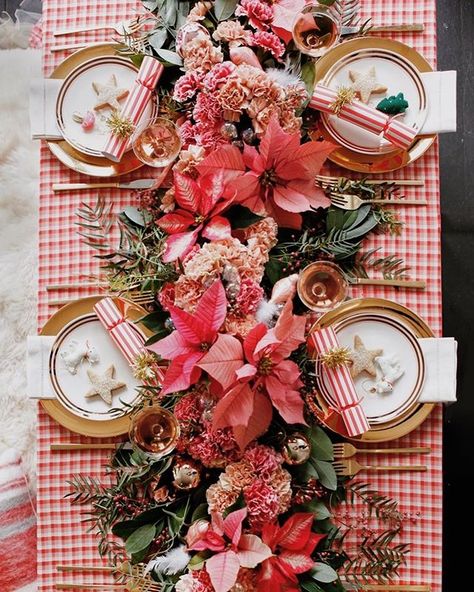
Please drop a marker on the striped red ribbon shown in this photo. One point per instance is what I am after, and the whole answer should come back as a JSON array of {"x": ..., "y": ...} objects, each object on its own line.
[
  {"x": 395, "y": 131},
  {"x": 341, "y": 383},
  {"x": 146, "y": 81}
]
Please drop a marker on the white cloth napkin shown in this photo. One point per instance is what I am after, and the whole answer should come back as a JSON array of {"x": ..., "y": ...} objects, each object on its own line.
[
  {"x": 441, "y": 91},
  {"x": 43, "y": 95},
  {"x": 38, "y": 348},
  {"x": 440, "y": 370}
]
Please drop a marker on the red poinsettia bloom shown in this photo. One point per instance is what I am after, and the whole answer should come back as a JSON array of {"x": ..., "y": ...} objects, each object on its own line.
[
  {"x": 292, "y": 545},
  {"x": 277, "y": 179},
  {"x": 265, "y": 378},
  {"x": 231, "y": 549},
  {"x": 192, "y": 339},
  {"x": 200, "y": 203}
]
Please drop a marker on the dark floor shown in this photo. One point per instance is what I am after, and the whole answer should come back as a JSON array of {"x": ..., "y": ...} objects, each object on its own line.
[{"x": 455, "y": 51}]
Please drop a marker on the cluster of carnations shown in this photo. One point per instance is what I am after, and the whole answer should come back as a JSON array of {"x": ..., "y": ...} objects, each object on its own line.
[{"x": 224, "y": 80}]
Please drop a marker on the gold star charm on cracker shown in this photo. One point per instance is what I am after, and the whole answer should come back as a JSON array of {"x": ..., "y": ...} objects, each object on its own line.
[
  {"x": 103, "y": 384},
  {"x": 364, "y": 84},
  {"x": 108, "y": 94},
  {"x": 363, "y": 359}
]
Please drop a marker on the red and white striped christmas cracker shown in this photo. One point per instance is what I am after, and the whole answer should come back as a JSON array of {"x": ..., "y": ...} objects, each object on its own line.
[
  {"x": 127, "y": 339},
  {"x": 342, "y": 385},
  {"x": 145, "y": 83},
  {"x": 395, "y": 131}
]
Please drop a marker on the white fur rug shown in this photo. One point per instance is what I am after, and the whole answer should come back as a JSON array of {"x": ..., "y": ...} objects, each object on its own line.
[{"x": 19, "y": 166}]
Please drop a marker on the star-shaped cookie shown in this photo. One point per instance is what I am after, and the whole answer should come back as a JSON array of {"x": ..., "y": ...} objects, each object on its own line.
[
  {"x": 363, "y": 359},
  {"x": 364, "y": 84},
  {"x": 108, "y": 95},
  {"x": 103, "y": 384}
]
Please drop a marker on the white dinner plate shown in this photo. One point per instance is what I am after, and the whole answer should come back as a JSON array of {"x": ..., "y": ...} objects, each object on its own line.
[
  {"x": 70, "y": 388},
  {"x": 394, "y": 72},
  {"x": 77, "y": 95},
  {"x": 395, "y": 339}
]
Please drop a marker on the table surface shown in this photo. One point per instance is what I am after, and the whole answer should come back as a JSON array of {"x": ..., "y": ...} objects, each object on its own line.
[{"x": 62, "y": 536}]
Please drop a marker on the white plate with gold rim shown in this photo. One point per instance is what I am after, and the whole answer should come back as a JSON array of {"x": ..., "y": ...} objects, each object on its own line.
[
  {"x": 71, "y": 388},
  {"x": 396, "y": 340},
  {"x": 394, "y": 72},
  {"x": 77, "y": 95}
]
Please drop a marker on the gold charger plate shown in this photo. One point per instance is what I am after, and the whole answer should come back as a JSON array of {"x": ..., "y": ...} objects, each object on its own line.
[
  {"x": 409, "y": 421},
  {"x": 80, "y": 425},
  {"x": 373, "y": 163},
  {"x": 95, "y": 166}
]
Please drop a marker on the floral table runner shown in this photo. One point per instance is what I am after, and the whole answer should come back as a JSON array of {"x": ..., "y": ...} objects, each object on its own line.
[{"x": 62, "y": 537}]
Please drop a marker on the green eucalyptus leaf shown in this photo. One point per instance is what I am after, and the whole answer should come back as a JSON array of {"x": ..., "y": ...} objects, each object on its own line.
[
  {"x": 200, "y": 513},
  {"x": 170, "y": 57},
  {"x": 322, "y": 572},
  {"x": 310, "y": 586},
  {"x": 327, "y": 474},
  {"x": 321, "y": 445},
  {"x": 308, "y": 74},
  {"x": 274, "y": 270},
  {"x": 140, "y": 539},
  {"x": 224, "y": 9},
  {"x": 135, "y": 216},
  {"x": 150, "y": 5},
  {"x": 158, "y": 38},
  {"x": 318, "y": 508}
]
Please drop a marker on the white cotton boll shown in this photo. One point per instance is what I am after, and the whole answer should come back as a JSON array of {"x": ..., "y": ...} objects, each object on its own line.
[
  {"x": 266, "y": 311},
  {"x": 170, "y": 564}
]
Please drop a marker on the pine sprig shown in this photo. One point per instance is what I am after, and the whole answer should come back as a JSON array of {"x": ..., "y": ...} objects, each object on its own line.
[
  {"x": 96, "y": 222},
  {"x": 382, "y": 506},
  {"x": 377, "y": 560},
  {"x": 391, "y": 266}
]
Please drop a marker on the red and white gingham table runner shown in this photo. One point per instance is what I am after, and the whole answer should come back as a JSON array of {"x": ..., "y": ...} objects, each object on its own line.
[{"x": 62, "y": 537}]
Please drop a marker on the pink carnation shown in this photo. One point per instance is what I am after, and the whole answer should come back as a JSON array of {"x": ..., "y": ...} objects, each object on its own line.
[
  {"x": 187, "y": 86},
  {"x": 259, "y": 13},
  {"x": 262, "y": 504},
  {"x": 218, "y": 75},
  {"x": 263, "y": 460},
  {"x": 249, "y": 297},
  {"x": 269, "y": 42},
  {"x": 210, "y": 138},
  {"x": 188, "y": 410},
  {"x": 187, "y": 133},
  {"x": 166, "y": 296},
  {"x": 195, "y": 581},
  {"x": 214, "y": 449},
  {"x": 207, "y": 110}
]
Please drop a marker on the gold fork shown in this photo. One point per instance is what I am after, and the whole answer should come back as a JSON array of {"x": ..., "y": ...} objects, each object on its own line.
[
  {"x": 121, "y": 27},
  {"x": 347, "y": 201},
  {"x": 141, "y": 298},
  {"x": 395, "y": 588},
  {"x": 349, "y": 467},
  {"x": 346, "y": 450},
  {"x": 334, "y": 181}
]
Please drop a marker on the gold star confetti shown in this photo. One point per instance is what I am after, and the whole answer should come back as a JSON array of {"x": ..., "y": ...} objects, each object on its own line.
[
  {"x": 103, "y": 384},
  {"x": 363, "y": 359},
  {"x": 364, "y": 84},
  {"x": 108, "y": 94}
]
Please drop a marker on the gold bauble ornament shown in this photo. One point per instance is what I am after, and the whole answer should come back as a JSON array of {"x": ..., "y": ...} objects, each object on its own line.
[
  {"x": 296, "y": 449},
  {"x": 186, "y": 474}
]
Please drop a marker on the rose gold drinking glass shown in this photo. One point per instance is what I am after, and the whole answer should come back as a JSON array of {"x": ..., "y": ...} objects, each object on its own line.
[
  {"x": 154, "y": 431},
  {"x": 322, "y": 286},
  {"x": 317, "y": 28},
  {"x": 157, "y": 142}
]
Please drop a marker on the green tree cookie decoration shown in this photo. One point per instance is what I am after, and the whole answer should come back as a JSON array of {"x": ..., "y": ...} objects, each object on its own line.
[{"x": 393, "y": 105}]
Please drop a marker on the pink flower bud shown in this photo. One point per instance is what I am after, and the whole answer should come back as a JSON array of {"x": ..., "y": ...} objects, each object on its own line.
[{"x": 244, "y": 55}]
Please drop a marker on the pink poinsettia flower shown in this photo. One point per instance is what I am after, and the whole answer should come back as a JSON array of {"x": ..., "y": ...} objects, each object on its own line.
[
  {"x": 200, "y": 203},
  {"x": 265, "y": 378},
  {"x": 192, "y": 339},
  {"x": 292, "y": 545},
  {"x": 232, "y": 549},
  {"x": 277, "y": 179}
]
